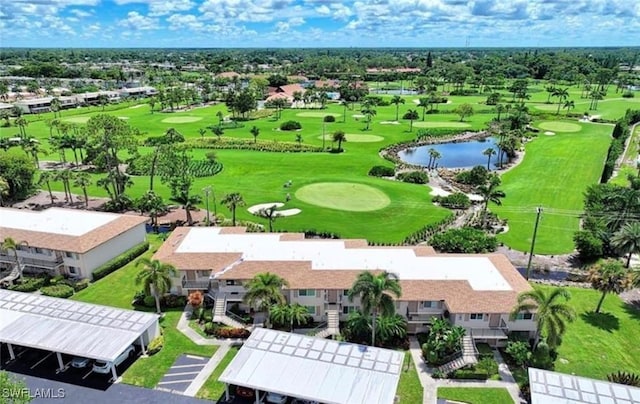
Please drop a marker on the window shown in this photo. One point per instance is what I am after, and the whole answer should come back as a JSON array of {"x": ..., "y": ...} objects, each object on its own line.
[
  {"x": 73, "y": 270},
  {"x": 307, "y": 292},
  {"x": 230, "y": 282},
  {"x": 524, "y": 316},
  {"x": 69, "y": 254},
  {"x": 38, "y": 250},
  {"x": 203, "y": 274},
  {"x": 345, "y": 292},
  {"x": 348, "y": 309},
  {"x": 476, "y": 316},
  {"x": 430, "y": 304},
  {"x": 311, "y": 310}
]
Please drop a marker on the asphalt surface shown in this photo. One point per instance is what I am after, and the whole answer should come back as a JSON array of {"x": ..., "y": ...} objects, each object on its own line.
[{"x": 181, "y": 373}]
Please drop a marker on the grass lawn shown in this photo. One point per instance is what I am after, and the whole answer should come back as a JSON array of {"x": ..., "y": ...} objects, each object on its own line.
[
  {"x": 212, "y": 388},
  {"x": 476, "y": 395},
  {"x": 409, "y": 388},
  {"x": 554, "y": 174},
  {"x": 118, "y": 289},
  {"x": 598, "y": 344}
]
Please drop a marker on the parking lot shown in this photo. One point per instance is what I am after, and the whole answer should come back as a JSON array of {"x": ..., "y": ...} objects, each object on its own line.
[
  {"x": 181, "y": 374},
  {"x": 44, "y": 364}
]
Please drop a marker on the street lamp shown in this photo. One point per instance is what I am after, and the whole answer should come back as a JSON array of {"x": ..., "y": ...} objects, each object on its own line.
[{"x": 207, "y": 191}]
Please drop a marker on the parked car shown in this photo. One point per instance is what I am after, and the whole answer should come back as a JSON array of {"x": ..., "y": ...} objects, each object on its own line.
[
  {"x": 105, "y": 367},
  {"x": 79, "y": 362},
  {"x": 245, "y": 392},
  {"x": 275, "y": 398}
]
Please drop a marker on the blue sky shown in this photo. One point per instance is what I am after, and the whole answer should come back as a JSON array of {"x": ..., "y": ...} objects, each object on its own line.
[{"x": 318, "y": 23}]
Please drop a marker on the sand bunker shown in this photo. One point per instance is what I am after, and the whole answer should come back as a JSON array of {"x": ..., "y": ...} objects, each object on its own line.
[{"x": 285, "y": 212}]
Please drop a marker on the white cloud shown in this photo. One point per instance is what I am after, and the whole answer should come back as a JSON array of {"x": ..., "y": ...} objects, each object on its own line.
[
  {"x": 185, "y": 21},
  {"x": 80, "y": 13},
  {"x": 138, "y": 22},
  {"x": 158, "y": 8},
  {"x": 323, "y": 10}
]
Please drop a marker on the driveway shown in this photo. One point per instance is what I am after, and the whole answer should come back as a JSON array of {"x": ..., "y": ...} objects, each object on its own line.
[{"x": 180, "y": 375}]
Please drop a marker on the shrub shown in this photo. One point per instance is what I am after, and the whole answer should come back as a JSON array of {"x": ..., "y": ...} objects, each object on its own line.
[
  {"x": 473, "y": 374},
  {"x": 197, "y": 168},
  {"x": 457, "y": 200},
  {"x": 29, "y": 285},
  {"x": 487, "y": 365},
  {"x": 476, "y": 176},
  {"x": 290, "y": 125},
  {"x": 56, "y": 279},
  {"x": 630, "y": 379},
  {"x": 246, "y": 144},
  {"x": 173, "y": 301},
  {"x": 149, "y": 301},
  {"x": 519, "y": 352},
  {"x": 81, "y": 284},
  {"x": 230, "y": 332},
  {"x": 414, "y": 177},
  {"x": 464, "y": 240},
  {"x": 155, "y": 345},
  {"x": 627, "y": 94},
  {"x": 382, "y": 171},
  {"x": 120, "y": 261},
  {"x": 61, "y": 290},
  {"x": 210, "y": 328},
  {"x": 589, "y": 246},
  {"x": 329, "y": 118},
  {"x": 436, "y": 132},
  {"x": 438, "y": 374},
  {"x": 541, "y": 357}
]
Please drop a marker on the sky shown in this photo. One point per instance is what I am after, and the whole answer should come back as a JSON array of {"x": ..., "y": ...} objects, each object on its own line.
[{"x": 318, "y": 23}]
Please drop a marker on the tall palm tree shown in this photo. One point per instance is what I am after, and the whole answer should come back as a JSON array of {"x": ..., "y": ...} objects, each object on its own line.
[
  {"x": 232, "y": 201},
  {"x": 610, "y": 276},
  {"x": 397, "y": 100},
  {"x": 83, "y": 179},
  {"x": 265, "y": 290},
  {"x": 4, "y": 190},
  {"x": 64, "y": 176},
  {"x": 376, "y": 293},
  {"x": 155, "y": 278},
  {"x": 271, "y": 214},
  {"x": 369, "y": 112},
  {"x": 45, "y": 178},
  {"x": 55, "y": 106},
  {"x": 424, "y": 104},
  {"x": 291, "y": 314},
  {"x": 432, "y": 153},
  {"x": 489, "y": 152},
  {"x": 627, "y": 240},
  {"x": 411, "y": 115},
  {"x": 500, "y": 109},
  {"x": 9, "y": 244},
  {"x": 569, "y": 105},
  {"x": 562, "y": 94},
  {"x": 490, "y": 193},
  {"x": 255, "y": 131},
  {"x": 339, "y": 136},
  {"x": 551, "y": 310}
]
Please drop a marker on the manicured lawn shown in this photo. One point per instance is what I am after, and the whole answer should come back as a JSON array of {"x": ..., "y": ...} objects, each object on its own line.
[
  {"x": 476, "y": 395},
  {"x": 118, "y": 289},
  {"x": 212, "y": 388},
  {"x": 598, "y": 344},
  {"x": 554, "y": 174},
  {"x": 409, "y": 388}
]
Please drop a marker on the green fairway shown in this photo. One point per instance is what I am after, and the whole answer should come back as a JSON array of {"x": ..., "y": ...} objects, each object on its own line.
[
  {"x": 559, "y": 126},
  {"x": 182, "y": 119},
  {"x": 475, "y": 395},
  {"x": 77, "y": 119},
  {"x": 310, "y": 114},
  {"x": 598, "y": 344},
  {"x": 344, "y": 196},
  {"x": 437, "y": 124},
  {"x": 554, "y": 174},
  {"x": 358, "y": 138}
]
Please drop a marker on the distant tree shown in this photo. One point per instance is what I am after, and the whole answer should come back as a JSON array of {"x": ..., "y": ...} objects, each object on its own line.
[
  {"x": 411, "y": 115},
  {"x": 562, "y": 94},
  {"x": 83, "y": 179},
  {"x": 202, "y": 132},
  {"x": 299, "y": 139},
  {"x": 340, "y": 137},
  {"x": 265, "y": 290},
  {"x": 255, "y": 131},
  {"x": 397, "y": 100},
  {"x": 55, "y": 106},
  {"x": 232, "y": 201},
  {"x": 4, "y": 190},
  {"x": 490, "y": 193},
  {"x": 463, "y": 110},
  {"x": 569, "y": 105},
  {"x": 369, "y": 112},
  {"x": 424, "y": 104},
  {"x": 610, "y": 276},
  {"x": 271, "y": 214},
  {"x": 489, "y": 152},
  {"x": 153, "y": 204}
]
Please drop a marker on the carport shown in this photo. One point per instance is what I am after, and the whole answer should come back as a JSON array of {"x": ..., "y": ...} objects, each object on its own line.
[
  {"x": 314, "y": 369},
  {"x": 72, "y": 328}
]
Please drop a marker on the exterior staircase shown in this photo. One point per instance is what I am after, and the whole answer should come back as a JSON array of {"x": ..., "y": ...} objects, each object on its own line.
[
  {"x": 12, "y": 276},
  {"x": 333, "y": 325},
  {"x": 220, "y": 314},
  {"x": 469, "y": 356}
]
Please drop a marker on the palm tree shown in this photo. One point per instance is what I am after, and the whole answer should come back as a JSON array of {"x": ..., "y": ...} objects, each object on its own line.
[
  {"x": 562, "y": 95},
  {"x": 551, "y": 313},
  {"x": 610, "y": 276},
  {"x": 65, "y": 176},
  {"x": 155, "y": 278},
  {"x": 397, "y": 100},
  {"x": 271, "y": 214},
  {"x": 218, "y": 131},
  {"x": 255, "y": 131},
  {"x": 83, "y": 180},
  {"x": 369, "y": 112},
  {"x": 290, "y": 314},
  {"x": 490, "y": 193},
  {"x": 220, "y": 116},
  {"x": 411, "y": 115},
  {"x": 390, "y": 327},
  {"x": 45, "y": 178},
  {"x": 376, "y": 293},
  {"x": 627, "y": 240},
  {"x": 500, "y": 109},
  {"x": 358, "y": 324},
  {"x": 265, "y": 290},
  {"x": 10, "y": 244},
  {"x": 424, "y": 104},
  {"x": 569, "y": 105},
  {"x": 232, "y": 201},
  {"x": 432, "y": 153},
  {"x": 489, "y": 152},
  {"x": 4, "y": 190},
  {"x": 339, "y": 136},
  {"x": 55, "y": 106}
]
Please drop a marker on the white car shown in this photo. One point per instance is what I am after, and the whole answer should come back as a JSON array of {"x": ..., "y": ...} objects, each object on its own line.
[
  {"x": 275, "y": 398},
  {"x": 105, "y": 367},
  {"x": 79, "y": 362}
]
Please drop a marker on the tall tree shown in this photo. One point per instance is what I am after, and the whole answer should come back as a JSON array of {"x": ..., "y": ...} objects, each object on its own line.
[
  {"x": 265, "y": 290},
  {"x": 340, "y": 137},
  {"x": 490, "y": 193},
  {"x": 562, "y": 94},
  {"x": 271, "y": 214},
  {"x": 45, "y": 178},
  {"x": 156, "y": 278},
  {"x": 569, "y": 105},
  {"x": 463, "y": 111},
  {"x": 291, "y": 315},
  {"x": 552, "y": 313},
  {"x": 376, "y": 293},
  {"x": 489, "y": 152},
  {"x": 232, "y": 201},
  {"x": 610, "y": 276},
  {"x": 83, "y": 179},
  {"x": 627, "y": 240},
  {"x": 153, "y": 204},
  {"x": 9, "y": 244},
  {"x": 423, "y": 103},
  {"x": 397, "y": 100},
  {"x": 411, "y": 115},
  {"x": 255, "y": 131},
  {"x": 369, "y": 112}
]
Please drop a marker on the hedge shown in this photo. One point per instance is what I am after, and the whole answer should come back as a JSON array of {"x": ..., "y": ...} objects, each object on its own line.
[
  {"x": 382, "y": 171},
  {"x": 246, "y": 144},
  {"x": 473, "y": 374},
  {"x": 29, "y": 285},
  {"x": 456, "y": 200},
  {"x": 120, "y": 261},
  {"x": 60, "y": 290},
  {"x": 155, "y": 345},
  {"x": 414, "y": 177},
  {"x": 81, "y": 284},
  {"x": 290, "y": 125}
]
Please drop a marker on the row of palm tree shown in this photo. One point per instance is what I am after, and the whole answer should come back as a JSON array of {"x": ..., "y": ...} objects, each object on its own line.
[{"x": 68, "y": 178}]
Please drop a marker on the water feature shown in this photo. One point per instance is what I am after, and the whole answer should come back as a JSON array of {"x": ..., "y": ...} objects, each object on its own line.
[{"x": 454, "y": 154}]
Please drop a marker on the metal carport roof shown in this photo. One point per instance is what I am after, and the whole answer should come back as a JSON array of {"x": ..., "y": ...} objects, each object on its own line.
[
  {"x": 317, "y": 369},
  {"x": 69, "y": 327}
]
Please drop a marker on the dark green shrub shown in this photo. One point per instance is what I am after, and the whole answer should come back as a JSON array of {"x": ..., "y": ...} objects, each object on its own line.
[
  {"x": 519, "y": 351},
  {"x": 382, "y": 171},
  {"x": 487, "y": 365},
  {"x": 630, "y": 379},
  {"x": 246, "y": 144},
  {"x": 414, "y": 177},
  {"x": 210, "y": 328},
  {"x": 541, "y": 357},
  {"x": 465, "y": 240},
  {"x": 290, "y": 125},
  {"x": 173, "y": 301},
  {"x": 457, "y": 200},
  {"x": 149, "y": 301},
  {"x": 29, "y": 285},
  {"x": 120, "y": 261},
  {"x": 476, "y": 176},
  {"x": 436, "y": 132},
  {"x": 61, "y": 290},
  {"x": 628, "y": 94},
  {"x": 589, "y": 246},
  {"x": 81, "y": 284},
  {"x": 155, "y": 345},
  {"x": 329, "y": 118},
  {"x": 469, "y": 374},
  {"x": 56, "y": 279}
]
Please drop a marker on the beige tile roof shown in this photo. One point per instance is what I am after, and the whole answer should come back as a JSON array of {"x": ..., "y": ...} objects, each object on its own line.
[
  {"x": 77, "y": 244},
  {"x": 458, "y": 294}
]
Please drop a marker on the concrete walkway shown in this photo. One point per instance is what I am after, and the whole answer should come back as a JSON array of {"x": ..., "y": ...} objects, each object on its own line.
[
  {"x": 204, "y": 374},
  {"x": 430, "y": 385}
]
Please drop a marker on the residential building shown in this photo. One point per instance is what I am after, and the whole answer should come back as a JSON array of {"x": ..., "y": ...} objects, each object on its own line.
[
  {"x": 94, "y": 98},
  {"x": 43, "y": 104},
  {"x": 476, "y": 292},
  {"x": 69, "y": 242},
  {"x": 138, "y": 92}
]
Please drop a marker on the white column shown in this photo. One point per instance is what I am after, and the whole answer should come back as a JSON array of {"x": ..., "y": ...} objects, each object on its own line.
[
  {"x": 226, "y": 392},
  {"x": 257, "y": 396},
  {"x": 144, "y": 349},
  {"x": 114, "y": 373},
  {"x": 11, "y": 353},
  {"x": 60, "y": 362}
]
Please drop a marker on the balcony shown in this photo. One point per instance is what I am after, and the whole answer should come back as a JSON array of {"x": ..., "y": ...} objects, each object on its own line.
[
  {"x": 201, "y": 284},
  {"x": 33, "y": 262},
  {"x": 422, "y": 318},
  {"x": 502, "y": 326}
]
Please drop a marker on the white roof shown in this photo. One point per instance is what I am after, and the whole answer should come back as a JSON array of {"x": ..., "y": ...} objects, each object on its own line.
[
  {"x": 69, "y": 327},
  {"x": 69, "y": 222},
  {"x": 558, "y": 388},
  {"x": 480, "y": 272},
  {"x": 317, "y": 369}
]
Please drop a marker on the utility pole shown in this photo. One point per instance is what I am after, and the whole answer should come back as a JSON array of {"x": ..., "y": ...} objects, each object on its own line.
[
  {"x": 533, "y": 241},
  {"x": 206, "y": 191}
]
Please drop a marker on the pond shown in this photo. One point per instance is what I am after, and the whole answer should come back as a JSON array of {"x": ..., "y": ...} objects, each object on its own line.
[{"x": 454, "y": 155}]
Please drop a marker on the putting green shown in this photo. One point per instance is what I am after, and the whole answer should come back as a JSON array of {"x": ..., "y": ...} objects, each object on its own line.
[
  {"x": 441, "y": 124},
  {"x": 182, "y": 119},
  {"x": 77, "y": 119},
  {"x": 547, "y": 107},
  {"x": 343, "y": 196},
  {"x": 355, "y": 138},
  {"x": 316, "y": 114},
  {"x": 557, "y": 126}
]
